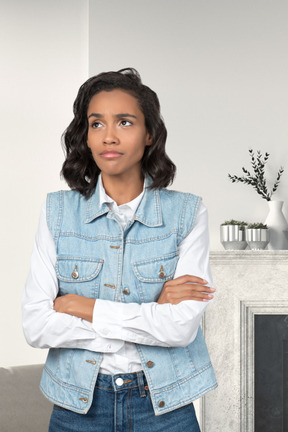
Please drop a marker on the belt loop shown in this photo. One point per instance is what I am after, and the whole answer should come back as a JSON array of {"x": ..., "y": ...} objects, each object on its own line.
[{"x": 140, "y": 382}]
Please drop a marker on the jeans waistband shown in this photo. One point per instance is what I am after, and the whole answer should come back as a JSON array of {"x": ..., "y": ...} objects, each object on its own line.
[{"x": 122, "y": 382}]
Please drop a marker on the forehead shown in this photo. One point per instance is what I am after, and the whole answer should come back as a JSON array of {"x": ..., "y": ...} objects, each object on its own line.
[{"x": 113, "y": 101}]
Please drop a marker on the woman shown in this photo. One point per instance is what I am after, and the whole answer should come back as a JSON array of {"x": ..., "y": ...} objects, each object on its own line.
[{"x": 120, "y": 275}]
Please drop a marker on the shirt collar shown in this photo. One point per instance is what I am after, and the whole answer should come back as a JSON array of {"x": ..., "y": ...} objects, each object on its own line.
[
  {"x": 106, "y": 199},
  {"x": 148, "y": 211}
]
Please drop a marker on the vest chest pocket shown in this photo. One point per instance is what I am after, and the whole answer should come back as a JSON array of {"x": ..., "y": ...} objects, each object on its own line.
[
  {"x": 151, "y": 274},
  {"x": 78, "y": 275}
]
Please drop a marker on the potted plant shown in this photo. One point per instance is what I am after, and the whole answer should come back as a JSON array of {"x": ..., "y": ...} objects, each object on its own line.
[
  {"x": 257, "y": 235},
  {"x": 275, "y": 220},
  {"x": 232, "y": 235}
]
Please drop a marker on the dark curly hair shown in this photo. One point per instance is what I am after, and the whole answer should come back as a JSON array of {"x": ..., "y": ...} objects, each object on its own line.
[{"x": 79, "y": 168}]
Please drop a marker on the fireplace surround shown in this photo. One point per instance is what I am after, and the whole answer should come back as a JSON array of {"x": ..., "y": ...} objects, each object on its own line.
[{"x": 248, "y": 283}]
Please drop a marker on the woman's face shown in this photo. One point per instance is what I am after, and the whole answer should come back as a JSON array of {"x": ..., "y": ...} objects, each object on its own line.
[{"x": 117, "y": 134}]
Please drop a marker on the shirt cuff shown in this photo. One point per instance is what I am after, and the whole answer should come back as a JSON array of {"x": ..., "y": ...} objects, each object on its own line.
[{"x": 110, "y": 320}]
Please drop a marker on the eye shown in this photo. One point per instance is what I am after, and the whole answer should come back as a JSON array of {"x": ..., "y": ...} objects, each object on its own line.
[
  {"x": 125, "y": 123},
  {"x": 95, "y": 125}
]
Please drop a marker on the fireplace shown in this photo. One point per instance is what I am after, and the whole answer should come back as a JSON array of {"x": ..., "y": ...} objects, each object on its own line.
[
  {"x": 263, "y": 366},
  {"x": 270, "y": 366},
  {"x": 251, "y": 296},
  {"x": 285, "y": 385}
]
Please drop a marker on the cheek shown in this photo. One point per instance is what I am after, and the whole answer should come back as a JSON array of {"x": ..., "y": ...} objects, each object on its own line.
[
  {"x": 89, "y": 139},
  {"x": 138, "y": 149},
  {"x": 92, "y": 141}
]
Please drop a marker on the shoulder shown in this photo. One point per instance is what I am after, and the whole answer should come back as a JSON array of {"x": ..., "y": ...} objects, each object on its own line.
[
  {"x": 186, "y": 203},
  {"x": 69, "y": 197},
  {"x": 173, "y": 195},
  {"x": 182, "y": 207},
  {"x": 69, "y": 194},
  {"x": 60, "y": 202}
]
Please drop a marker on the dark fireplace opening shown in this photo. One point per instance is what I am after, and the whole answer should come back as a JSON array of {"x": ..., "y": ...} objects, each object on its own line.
[{"x": 271, "y": 373}]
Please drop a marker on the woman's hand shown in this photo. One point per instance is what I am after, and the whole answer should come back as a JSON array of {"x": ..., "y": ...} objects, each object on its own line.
[
  {"x": 185, "y": 288},
  {"x": 72, "y": 304}
]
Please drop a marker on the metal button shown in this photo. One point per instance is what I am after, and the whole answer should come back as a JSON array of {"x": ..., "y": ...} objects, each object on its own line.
[
  {"x": 161, "y": 404},
  {"x": 150, "y": 364},
  {"x": 119, "y": 382},
  {"x": 162, "y": 274},
  {"x": 75, "y": 273},
  {"x": 84, "y": 400},
  {"x": 126, "y": 291}
]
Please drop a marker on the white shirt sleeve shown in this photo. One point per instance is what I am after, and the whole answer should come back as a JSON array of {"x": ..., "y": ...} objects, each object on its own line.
[
  {"x": 43, "y": 326},
  {"x": 162, "y": 324}
]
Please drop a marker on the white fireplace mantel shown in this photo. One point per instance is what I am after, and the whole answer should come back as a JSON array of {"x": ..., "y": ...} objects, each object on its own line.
[{"x": 247, "y": 283}]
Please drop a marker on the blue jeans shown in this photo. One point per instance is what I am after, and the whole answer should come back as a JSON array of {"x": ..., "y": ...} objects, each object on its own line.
[{"x": 122, "y": 403}]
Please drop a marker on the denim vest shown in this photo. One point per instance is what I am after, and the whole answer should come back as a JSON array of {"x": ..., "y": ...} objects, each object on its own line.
[{"x": 96, "y": 258}]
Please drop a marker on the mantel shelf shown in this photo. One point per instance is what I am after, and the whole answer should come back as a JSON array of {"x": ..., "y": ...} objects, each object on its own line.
[{"x": 248, "y": 256}]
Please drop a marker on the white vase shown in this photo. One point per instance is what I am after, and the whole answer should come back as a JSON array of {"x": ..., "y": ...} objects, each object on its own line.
[{"x": 277, "y": 225}]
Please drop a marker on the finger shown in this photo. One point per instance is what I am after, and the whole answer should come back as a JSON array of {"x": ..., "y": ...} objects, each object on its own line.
[
  {"x": 192, "y": 295},
  {"x": 196, "y": 287},
  {"x": 187, "y": 291},
  {"x": 189, "y": 285},
  {"x": 198, "y": 291},
  {"x": 185, "y": 298},
  {"x": 187, "y": 278}
]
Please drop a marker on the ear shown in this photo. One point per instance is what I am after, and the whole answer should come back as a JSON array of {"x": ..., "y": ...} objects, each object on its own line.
[{"x": 149, "y": 139}]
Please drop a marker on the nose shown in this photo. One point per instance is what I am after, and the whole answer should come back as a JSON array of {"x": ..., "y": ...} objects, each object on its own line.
[{"x": 110, "y": 136}]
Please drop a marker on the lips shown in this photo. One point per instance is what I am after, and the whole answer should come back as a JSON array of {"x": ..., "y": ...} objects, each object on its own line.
[{"x": 109, "y": 154}]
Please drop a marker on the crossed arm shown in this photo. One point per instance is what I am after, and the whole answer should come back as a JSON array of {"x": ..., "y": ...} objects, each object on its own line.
[
  {"x": 73, "y": 321},
  {"x": 182, "y": 288}
]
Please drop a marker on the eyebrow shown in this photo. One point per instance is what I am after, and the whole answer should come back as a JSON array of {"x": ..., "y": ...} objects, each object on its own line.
[{"x": 98, "y": 115}]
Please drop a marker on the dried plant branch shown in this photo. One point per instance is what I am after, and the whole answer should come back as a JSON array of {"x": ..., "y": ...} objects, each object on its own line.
[{"x": 257, "y": 180}]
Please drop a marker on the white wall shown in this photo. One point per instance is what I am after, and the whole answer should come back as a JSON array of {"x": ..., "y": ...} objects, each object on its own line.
[
  {"x": 44, "y": 60},
  {"x": 220, "y": 70}
]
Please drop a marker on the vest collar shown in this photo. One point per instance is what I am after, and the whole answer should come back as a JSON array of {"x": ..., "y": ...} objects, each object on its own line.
[{"x": 148, "y": 212}]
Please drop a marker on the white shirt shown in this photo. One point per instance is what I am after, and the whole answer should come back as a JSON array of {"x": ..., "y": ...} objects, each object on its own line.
[{"x": 116, "y": 327}]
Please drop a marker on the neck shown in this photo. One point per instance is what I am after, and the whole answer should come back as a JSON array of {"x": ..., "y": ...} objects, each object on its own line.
[{"x": 121, "y": 190}]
